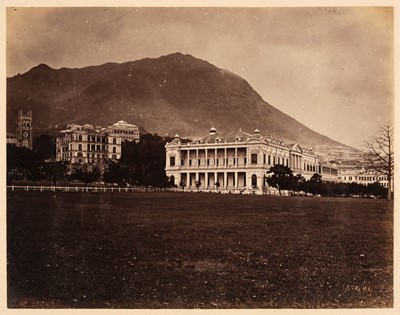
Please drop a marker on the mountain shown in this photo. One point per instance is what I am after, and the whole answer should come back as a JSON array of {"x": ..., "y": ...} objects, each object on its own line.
[{"x": 172, "y": 94}]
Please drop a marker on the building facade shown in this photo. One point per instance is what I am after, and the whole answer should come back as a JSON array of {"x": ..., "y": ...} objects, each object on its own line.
[
  {"x": 127, "y": 132},
  {"x": 12, "y": 139},
  {"x": 87, "y": 147},
  {"x": 24, "y": 129},
  {"x": 235, "y": 162},
  {"x": 362, "y": 176}
]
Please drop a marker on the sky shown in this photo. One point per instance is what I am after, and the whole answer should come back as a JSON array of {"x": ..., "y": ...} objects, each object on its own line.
[{"x": 332, "y": 69}]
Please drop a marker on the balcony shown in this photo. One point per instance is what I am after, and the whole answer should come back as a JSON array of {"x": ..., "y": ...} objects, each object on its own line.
[{"x": 217, "y": 167}]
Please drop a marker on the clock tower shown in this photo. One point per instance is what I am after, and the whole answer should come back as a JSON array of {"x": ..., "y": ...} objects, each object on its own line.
[{"x": 24, "y": 129}]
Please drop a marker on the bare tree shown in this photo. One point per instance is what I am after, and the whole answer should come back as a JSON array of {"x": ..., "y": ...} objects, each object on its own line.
[{"x": 380, "y": 153}]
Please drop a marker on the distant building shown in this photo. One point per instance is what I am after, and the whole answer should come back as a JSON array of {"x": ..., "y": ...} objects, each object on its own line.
[
  {"x": 237, "y": 162},
  {"x": 87, "y": 147},
  {"x": 127, "y": 132},
  {"x": 24, "y": 129},
  {"x": 362, "y": 176},
  {"x": 12, "y": 139}
]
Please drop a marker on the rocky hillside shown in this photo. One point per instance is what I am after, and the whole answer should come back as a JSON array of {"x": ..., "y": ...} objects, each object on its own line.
[{"x": 172, "y": 94}]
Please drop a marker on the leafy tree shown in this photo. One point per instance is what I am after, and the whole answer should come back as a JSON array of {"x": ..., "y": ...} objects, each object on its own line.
[
  {"x": 298, "y": 182},
  {"x": 45, "y": 146},
  {"x": 85, "y": 176},
  {"x": 316, "y": 183},
  {"x": 376, "y": 190},
  {"x": 16, "y": 168},
  {"x": 380, "y": 153},
  {"x": 281, "y": 178},
  {"x": 118, "y": 173},
  {"x": 56, "y": 171},
  {"x": 217, "y": 184},
  {"x": 37, "y": 172},
  {"x": 146, "y": 160},
  {"x": 23, "y": 163}
]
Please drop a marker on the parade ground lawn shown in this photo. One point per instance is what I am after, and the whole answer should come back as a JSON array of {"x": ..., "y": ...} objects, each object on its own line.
[{"x": 197, "y": 250}]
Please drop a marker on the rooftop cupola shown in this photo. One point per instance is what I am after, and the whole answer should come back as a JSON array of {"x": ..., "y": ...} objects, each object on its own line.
[
  {"x": 256, "y": 132},
  {"x": 213, "y": 131}
]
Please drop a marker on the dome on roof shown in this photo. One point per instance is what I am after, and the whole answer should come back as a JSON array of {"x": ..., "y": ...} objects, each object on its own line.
[
  {"x": 213, "y": 131},
  {"x": 176, "y": 136},
  {"x": 256, "y": 131},
  {"x": 121, "y": 122}
]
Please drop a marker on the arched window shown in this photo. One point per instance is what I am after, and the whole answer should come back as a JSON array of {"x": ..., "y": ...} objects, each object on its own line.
[
  {"x": 172, "y": 180},
  {"x": 114, "y": 150},
  {"x": 115, "y": 141},
  {"x": 254, "y": 180},
  {"x": 80, "y": 146},
  {"x": 80, "y": 138}
]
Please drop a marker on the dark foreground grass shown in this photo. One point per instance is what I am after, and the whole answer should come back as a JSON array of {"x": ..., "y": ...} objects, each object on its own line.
[{"x": 193, "y": 250}]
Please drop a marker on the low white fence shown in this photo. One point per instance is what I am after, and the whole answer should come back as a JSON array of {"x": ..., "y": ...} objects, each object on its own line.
[{"x": 87, "y": 189}]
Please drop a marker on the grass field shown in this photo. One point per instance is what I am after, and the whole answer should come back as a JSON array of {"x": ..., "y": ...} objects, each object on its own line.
[{"x": 196, "y": 250}]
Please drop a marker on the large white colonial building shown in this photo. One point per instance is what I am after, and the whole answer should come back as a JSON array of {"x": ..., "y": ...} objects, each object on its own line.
[
  {"x": 237, "y": 162},
  {"x": 87, "y": 146},
  {"x": 363, "y": 176}
]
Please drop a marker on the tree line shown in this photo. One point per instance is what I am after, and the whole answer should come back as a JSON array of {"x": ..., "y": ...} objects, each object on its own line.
[{"x": 282, "y": 178}]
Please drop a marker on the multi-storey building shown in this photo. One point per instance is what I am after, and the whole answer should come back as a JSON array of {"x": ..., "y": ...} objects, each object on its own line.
[
  {"x": 86, "y": 147},
  {"x": 127, "y": 132},
  {"x": 236, "y": 162},
  {"x": 362, "y": 176}
]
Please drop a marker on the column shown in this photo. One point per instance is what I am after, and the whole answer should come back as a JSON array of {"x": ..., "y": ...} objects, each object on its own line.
[
  {"x": 188, "y": 156},
  {"x": 260, "y": 180},
  {"x": 225, "y": 180},
  {"x": 215, "y": 156},
  {"x": 236, "y": 158},
  {"x": 236, "y": 180},
  {"x": 197, "y": 157},
  {"x": 206, "y": 180},
  {"x": 206, "y": 157},
  {"x": 225, "y": 157}
]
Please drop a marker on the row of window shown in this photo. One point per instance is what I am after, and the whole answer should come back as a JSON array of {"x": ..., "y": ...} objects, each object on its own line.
[
  {"x": 225, "y": 161},
  {"x": 91, "y": 157},
  {"x": 113, "y": 157},
  {"x": 123, "y": 132},
  {"x": 96, "y": 139},
  {"x": 93, "y": 147},
  {"x": 272, "y": 160},
  {"x": 26, "y": 124},
  {"x": 360, "y": 178}
]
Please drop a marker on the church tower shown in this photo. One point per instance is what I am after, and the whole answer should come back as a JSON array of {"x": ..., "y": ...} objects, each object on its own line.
[{"x": 24, "y": 129}]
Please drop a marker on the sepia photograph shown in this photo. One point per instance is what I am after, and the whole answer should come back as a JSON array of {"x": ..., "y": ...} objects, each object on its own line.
[{"x": 204, "y": 156}]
